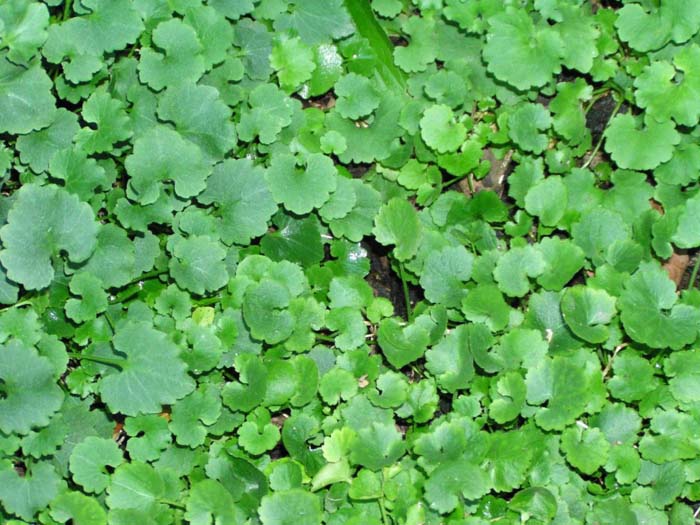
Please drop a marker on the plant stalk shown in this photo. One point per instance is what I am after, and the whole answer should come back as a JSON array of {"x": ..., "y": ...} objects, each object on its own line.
[{"x": 119, "y": 363}]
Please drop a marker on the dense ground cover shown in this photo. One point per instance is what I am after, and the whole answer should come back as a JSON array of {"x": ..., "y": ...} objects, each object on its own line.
[{"x": 312, "y": 261}]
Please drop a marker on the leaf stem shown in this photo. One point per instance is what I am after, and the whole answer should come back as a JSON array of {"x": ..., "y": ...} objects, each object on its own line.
[
  {"x": 67, "y": 4},
  {"x": 25, "y": 302},
  {"x": 406, "y": 295},
  {"x": 602, "y": 135},
  {"x": 119, "y": 363},
  {"x": 132, "y": 288},
  {"x": 173, "y": 504},
  {"x": 382, "y": 509},
  {"x": 207, "y": 301},
  {"x": 694, "y": 273}
]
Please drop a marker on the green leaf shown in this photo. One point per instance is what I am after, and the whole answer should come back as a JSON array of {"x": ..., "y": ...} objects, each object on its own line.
[
  {"x": 650, "y": 313},
  {"x": 79, "y": 508},
  {"x": 147, "y": 380},
  {"x": 89, "y": 461},
  {"x": 270, "y": 112},
  {"x": 294, "y": 62},
  {"x": 451, "y": 360},
  {"x": 316, "y": 20},
  {"x": 397, "y": 223},
  {"x": 454, "y": 479},
  {"x": 485, "y": 304},
  {"x": 162, "y": 154},
  {"x": 110, "y": 119},
  {"x": 180, "y": 61},
  {"x": 515, "y": 266},
  {"x": 662, "y": 96},
  {"x": 198, "y": 264},
  {"x": 645, "y": 31},
  {"x": 148, "y": 436},
  {"x": 537, "y": 502},
  {"x": 26, "y": 495},
  {"x": 640, "y": 148},
  {"x": 586, "y": 311},
  {"x": 381, "y": 47},
  {"x": 30, "y": 395},
  {"x": 210, "y": 502},
  {"x": 337, "y": 383},
  {"x": 571, "y": 383},
  {"x": 242, "y": 199},
  {"x": 23, "y": 29},
  {"x": 421, "y": 49},
  {"x": 377, "y": 445},
  {"x": 402, "y": 345},
  {"x": 65, "y": 225},
  {"x": 521, "y": 53},
  {"x": 525, "y": 127},
  {"x": 508, "y": 395},
  {"x": 585, "y": 448},
  {"x": 26, "y": 102},
  {"x": 37, "y": 147},
  {"x": 633, "y": 378},
  {"x": 81, "y": 175},
  {"x": 547, "y": 199},
  {"x": 200, "y": 116},
  {"x": 294, "y": 240},
  {"x": 357, "y": 96},
  {"x": 569, "y": 119},
  {"x": 290, "y": 507},
  {"x": 93, "y": 298},
  {"x": 444, "y": 273},
  {"x": 301, "y": 191},
  {"x": 597, "y": 231},
  {"x": 140, "y": 486},
  {"x": 191, "y": 416},
  {"x": 563, "y": 259},
  {"x": 440, "y": 131}
]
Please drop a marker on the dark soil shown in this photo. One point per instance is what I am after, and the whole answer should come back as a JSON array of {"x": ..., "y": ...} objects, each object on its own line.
[{"x": 385, "y": 282}]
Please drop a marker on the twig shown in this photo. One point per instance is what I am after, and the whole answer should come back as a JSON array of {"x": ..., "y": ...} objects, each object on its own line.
[
  {"x": 602, "y": 135},
  {"x": 694, "y": 273},
  {"x": 608, "y": 366}
]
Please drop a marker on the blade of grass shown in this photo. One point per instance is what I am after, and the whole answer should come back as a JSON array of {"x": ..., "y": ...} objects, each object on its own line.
[{"x": 368, "y": 27}]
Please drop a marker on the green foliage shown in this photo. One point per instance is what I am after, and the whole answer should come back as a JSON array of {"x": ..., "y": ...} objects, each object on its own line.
[{"x": 290, "y": 263}]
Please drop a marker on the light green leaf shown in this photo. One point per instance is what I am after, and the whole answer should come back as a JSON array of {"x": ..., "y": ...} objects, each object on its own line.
[
  {"x": 444, "y": 273},
  {"x": 640, "y": 148},
  {"x": 526, "y": 126},
  {"x": 357, "y": 96},
  {"x": 81, "y": 509},
  {"x": 397, "y": 223},
  {"x": 650, "y": 313},
  {"x": 586, "y": 311},
  {"x": 440, "y": 131},
  {"x": 294, "y": 62},
  {"x": 198, "y": 263},
  {"x": 300, "y": 191},
  {"x": 515, "y": 266},
  {"x": 290, "y": 507},
  {"x": 521, "y": 53}
]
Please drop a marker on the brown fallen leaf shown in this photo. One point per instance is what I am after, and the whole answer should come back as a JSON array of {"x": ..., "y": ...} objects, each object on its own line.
[{"x": 676, "y": 267}]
